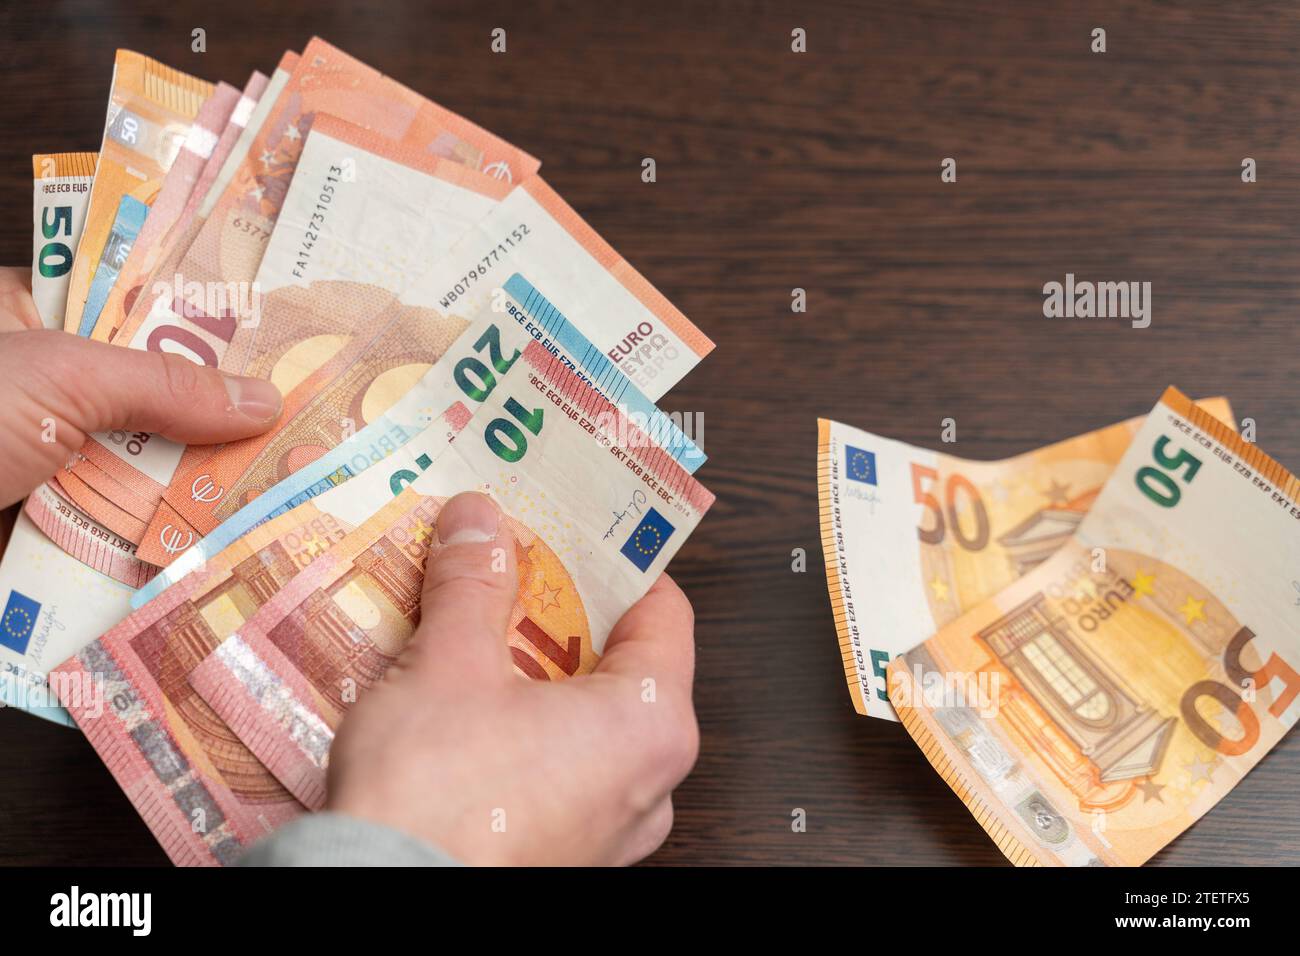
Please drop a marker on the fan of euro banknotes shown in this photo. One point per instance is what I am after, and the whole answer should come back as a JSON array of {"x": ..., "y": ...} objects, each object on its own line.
[
  {"x": 437, "y": 319},
  {"x": 1093, "y": 642}
]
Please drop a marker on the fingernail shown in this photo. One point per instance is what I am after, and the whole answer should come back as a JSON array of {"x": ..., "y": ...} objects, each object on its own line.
[
  {"x": 254, "y": 398},
  {"x": 468, "y": 519}
]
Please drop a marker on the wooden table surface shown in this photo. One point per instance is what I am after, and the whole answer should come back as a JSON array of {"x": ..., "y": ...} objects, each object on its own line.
[{"x": 820, "y": 171}]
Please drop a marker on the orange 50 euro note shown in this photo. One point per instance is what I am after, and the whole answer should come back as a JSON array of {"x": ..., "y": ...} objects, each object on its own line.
[
  {"x": 216, "y": 127},
  {"x": 913, "y": 537},
  {"x": 1095, "y": 708},
  {"x": 150, "y": 110},
  {"x": 598, "y": 511}
]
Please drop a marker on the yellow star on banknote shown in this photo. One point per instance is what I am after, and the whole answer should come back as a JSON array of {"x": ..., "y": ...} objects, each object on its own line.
[
  {"x": 1199, "y": 769},
  {"x": 1058, "y": 493},
  {"x": 940, "y": 589},
  {"x": 1151, "y": 790},
  {"x": 547, "y": 597},
  {"x": 1144, "y": 583},
  {"x": 1193, "y": 610},
  {"x": 422, "y": 531}
]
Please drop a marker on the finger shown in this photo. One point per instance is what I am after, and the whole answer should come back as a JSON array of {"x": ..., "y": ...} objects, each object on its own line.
[
  {"x": 655, "y": 639},
  {"x": 98, "y": 387},
  {"x": 648, "y": 833},
  {"x": 469, "y": 590},
  {"x": 17, "y": 310}
]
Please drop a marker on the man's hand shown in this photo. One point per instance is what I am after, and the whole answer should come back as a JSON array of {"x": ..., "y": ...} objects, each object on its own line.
[
  {"x": 56, "y": 388},
  {"x": 455, "y": 748}
]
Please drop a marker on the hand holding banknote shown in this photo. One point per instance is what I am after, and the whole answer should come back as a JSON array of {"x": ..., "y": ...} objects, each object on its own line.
[
  {"x": 454, "y": 747},
  {"x": 17, "y": 310},
  {"x": 55, "y": 389}
]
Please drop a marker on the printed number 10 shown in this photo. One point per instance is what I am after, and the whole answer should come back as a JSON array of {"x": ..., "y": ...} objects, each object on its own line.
[{"x": 502, "y": 429}]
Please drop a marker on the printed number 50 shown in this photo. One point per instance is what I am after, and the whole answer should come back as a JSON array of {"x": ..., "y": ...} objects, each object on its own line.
[
  {"x": 956, "y": 483},
  {"x": 1159, "y": 486},
  {"x": 50, "y": 229}
]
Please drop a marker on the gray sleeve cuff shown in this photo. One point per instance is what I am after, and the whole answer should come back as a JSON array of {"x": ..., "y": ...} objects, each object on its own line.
[{"x": 333, "y": 839}]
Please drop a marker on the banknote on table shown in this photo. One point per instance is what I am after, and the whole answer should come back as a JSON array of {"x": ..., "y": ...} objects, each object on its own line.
[
  {"x": 51, "y": 606},
  {"x": 913, "y": 537},
  {"x": 1098, "y": 706},
  {"x": 224, "y": 256},
  {"x": 122, "y": 263},
  {"x": 282, "y": 682},
  {"x": 60, "y": 194},
  {"x": 150, "y": 109}
]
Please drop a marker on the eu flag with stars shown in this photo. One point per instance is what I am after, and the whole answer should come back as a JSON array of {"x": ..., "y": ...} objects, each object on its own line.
[
  {"x": 647, "y": 540},
  {"x": 861, "y": 464},
  {"x": 18, "y": 622}
]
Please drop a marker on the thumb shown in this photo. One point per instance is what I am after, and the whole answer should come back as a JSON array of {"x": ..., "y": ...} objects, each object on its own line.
[
  {"x": 469, "y": 590},
  {"x": 98, "y": 387}
]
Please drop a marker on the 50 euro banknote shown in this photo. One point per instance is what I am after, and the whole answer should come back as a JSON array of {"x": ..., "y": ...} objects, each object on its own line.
[
  {"x": 245, "y": 123},
  {"x": 606, "y": 511},
  {"x": 185, "y": 187},
  {"x": 1095, "y": 708},
  {"x": 150, "y": 110},
  {"x": 913, "y": 537},
  {"x": 598, "y": 511},
  {"x": 60, "y": 193},
  {"x": 463, "y": 375},
  {"x": 128, "y": 242}
]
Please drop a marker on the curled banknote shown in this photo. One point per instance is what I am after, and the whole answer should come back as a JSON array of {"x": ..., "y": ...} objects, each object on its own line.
[
  {"x": 913, "y": 537},
  {"x": 1096, "y": 707}
]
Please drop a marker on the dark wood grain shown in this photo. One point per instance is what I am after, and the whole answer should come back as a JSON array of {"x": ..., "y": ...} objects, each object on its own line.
[{"x": 818, "y": 171}]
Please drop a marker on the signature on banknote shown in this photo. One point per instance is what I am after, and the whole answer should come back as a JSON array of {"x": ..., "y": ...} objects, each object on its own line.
[{"x": 635, "y": 507}]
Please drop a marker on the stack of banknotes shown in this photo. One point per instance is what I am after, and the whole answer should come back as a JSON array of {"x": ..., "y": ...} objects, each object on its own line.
[
  {"x": 437, "y": 319},
  {"x": 1093, "y": 642}
]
